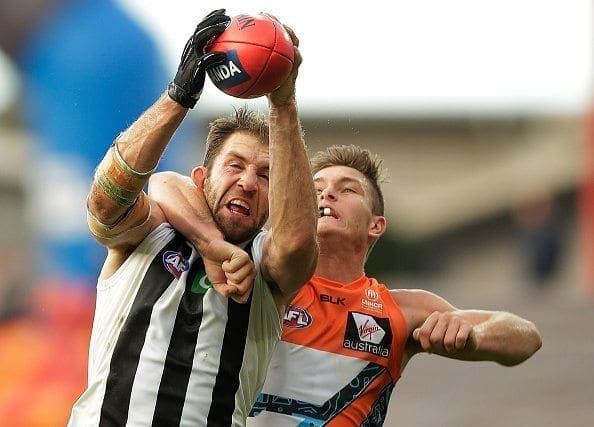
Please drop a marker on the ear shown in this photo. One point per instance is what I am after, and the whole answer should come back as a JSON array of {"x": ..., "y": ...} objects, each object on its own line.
[
  {"x": 377, "y": 226},
  {"x": 199, "y": 174}
]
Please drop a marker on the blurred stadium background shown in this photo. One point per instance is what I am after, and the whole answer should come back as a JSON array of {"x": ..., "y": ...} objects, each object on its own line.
[{"x": 482, "y": 110}]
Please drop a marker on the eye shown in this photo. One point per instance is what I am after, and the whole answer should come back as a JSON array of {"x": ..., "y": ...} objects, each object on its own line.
[
  {"x": 263, "y": 176},
  {"x": 319, "y": 190},
  {"x": 348, "y": 190}
]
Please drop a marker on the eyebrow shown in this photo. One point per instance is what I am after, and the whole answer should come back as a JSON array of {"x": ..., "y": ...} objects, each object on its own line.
[
  {"x": 230, "y": 155},
  {"x": 343, "y": 180}
]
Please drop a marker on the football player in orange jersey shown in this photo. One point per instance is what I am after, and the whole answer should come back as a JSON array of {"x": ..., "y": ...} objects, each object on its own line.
[{"x": 347, "y": 338}]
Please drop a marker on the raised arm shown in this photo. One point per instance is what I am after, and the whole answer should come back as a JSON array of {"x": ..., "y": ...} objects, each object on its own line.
[
  {"x": 290, "y": 251},
  {"x": 119, "y": 213},
  {"x": 435, "y": 326}
]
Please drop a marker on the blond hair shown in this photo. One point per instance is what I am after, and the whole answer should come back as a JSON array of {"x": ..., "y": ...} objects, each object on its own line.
[{"x": 352, "y": 156}]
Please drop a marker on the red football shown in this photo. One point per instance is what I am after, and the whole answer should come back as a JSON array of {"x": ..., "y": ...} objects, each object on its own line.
[{"x": 259, "y": 56}]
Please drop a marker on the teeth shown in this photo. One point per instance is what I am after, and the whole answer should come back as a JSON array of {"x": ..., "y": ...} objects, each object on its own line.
[
  {"x": 239, "y": 203},
  {"x": 327, "y": 212}
]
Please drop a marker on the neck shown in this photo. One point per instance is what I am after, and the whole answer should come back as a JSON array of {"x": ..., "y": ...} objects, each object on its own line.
[{"x": 339, "y": 262}]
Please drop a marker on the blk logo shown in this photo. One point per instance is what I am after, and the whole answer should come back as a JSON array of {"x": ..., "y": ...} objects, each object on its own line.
[{"x": 332, "y": 300}]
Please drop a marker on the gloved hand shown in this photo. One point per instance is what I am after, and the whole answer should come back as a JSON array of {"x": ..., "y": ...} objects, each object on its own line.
[{"x": 187, "y": 85}]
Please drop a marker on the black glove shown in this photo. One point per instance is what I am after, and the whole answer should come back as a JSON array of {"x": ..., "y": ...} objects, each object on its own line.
[{"x": 187, "y": 85}]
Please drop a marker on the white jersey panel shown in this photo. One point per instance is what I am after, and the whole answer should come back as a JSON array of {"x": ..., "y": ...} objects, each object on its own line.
[
  {"x": 312, "y": 376},
  {"x": 166, "y": 347}
]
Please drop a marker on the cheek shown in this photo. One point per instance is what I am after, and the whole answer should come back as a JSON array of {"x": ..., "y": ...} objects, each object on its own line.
[{"x": 263, "y": 194}]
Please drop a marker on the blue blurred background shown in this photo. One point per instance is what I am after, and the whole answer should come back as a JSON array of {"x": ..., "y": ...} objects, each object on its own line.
[{"x": 482, "y": 111}]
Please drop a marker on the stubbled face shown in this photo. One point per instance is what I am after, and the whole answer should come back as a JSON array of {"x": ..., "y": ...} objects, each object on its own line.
[
  {"x": 344, "y": 200},
  {"x": 236, "y": 187}
]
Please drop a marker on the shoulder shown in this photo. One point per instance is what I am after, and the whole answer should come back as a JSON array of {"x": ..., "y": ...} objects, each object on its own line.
[
  {"x": 418, "y": 304},
  {"x": 412, "y": 297}
]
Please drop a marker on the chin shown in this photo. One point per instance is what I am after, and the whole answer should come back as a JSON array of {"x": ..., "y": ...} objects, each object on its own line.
[{"x": 238, "y": 234}]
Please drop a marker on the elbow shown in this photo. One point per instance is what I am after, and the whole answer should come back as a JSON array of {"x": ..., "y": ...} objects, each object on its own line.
[
  {"x": 532, "y": 343},
  {"x": 100, "y": 207}
]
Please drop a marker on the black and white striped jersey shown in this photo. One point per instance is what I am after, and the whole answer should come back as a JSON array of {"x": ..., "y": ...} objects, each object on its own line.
[{"x": 167, "y": 350}]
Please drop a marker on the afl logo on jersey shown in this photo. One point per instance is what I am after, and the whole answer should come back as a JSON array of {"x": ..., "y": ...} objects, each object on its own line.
[
  {"x": 297, "y": 318},
  {"x": 175, "y": 263}
]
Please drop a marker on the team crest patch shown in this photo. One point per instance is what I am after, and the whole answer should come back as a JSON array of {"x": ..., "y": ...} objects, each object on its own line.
[
  {"x": 201, "y": 284},
  {"x": 297, "y": 318},
  {"x": 372, "y": 301},
  {"x": 369, "y": 334},
  {"x": 175, "y": 263}
]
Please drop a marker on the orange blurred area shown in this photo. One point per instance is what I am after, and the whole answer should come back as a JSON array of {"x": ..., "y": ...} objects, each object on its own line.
[{"x": 43, "y": 357}]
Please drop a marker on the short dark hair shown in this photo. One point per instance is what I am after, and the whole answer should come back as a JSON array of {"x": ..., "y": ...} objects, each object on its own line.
[
  {"x": 359, "y": 159},
  {"x": 241, "y": 119}
]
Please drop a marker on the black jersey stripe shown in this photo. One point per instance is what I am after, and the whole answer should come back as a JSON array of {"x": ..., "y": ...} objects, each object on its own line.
[
  {"x": 227, "y": 381},
  {"x": 126, "y": 354},
  {"x": 232, "y": 350},
  {"x": 180, "y": 354}
]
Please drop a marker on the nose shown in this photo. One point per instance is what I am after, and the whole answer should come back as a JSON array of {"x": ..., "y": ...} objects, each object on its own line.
[
  {"x": 249, "y": 180},
  {"x": 327, "y": 194}
]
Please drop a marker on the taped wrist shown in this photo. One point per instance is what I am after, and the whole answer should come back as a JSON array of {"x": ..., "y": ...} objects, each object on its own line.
[{"x": 118, "y": 180}]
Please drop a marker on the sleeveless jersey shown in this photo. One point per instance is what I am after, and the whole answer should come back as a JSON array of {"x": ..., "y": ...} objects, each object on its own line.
[
  {"x": 338, "y": 359},
  {"x": 167, "y": 350}
]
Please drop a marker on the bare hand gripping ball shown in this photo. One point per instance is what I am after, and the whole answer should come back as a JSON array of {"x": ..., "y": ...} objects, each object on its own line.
[{"x": 259, "y": 56}]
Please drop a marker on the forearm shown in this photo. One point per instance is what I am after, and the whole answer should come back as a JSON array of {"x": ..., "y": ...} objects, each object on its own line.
[
  {"x": 292, "y": 197},
  {"x": 126, "y": 168},
  {"x": 507, "y": 339},
  {"x": 185, "y": 208}
]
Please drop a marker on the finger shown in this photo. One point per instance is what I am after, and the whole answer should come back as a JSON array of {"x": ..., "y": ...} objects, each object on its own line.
[
  {"x": 292, "y": 35},
  {"x": 463, "y": 336},
  {"x": 451, "y": 334},
  {"x": 240, "y": 294},
  {"x": 425, "y": 331},
  {"x": 225, "y": 289},
  {"x": 241, "y": 274},
  {"x": 215, "y": 12},
  {"x": 439, "y": 332},
  {"x": 213, "y": 58},
  {"x": 237, "y": 262}
]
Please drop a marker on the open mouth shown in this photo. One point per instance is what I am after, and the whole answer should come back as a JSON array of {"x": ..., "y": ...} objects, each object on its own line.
[
  {"x": 239, "y": 207},
  {"x": 327, "y": 212}
]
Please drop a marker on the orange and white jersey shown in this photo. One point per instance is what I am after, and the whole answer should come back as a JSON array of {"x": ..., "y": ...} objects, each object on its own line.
[{"x": 338, "y": 360}]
